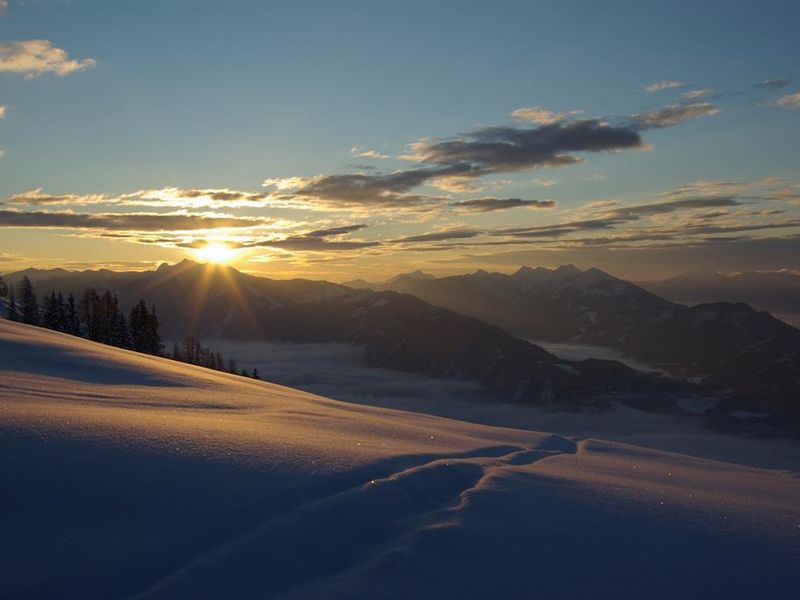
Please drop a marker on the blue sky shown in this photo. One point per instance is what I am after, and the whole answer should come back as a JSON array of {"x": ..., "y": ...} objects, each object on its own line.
[{"x": 210, "y": 95}]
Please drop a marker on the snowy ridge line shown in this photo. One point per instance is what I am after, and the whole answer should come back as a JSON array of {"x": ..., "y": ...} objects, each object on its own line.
[{"x": 310, "y": 544}]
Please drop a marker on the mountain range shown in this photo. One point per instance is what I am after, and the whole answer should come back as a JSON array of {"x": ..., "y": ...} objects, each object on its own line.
[
  {"x": 398, "y": 331},
  {"x": 481, "y": 326},
  {"x": 726, "y": 347},
  {"x": 776, "y": 292}
]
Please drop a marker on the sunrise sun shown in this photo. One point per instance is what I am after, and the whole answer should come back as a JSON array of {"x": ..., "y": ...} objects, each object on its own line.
[{"x": 216, "y": 252}]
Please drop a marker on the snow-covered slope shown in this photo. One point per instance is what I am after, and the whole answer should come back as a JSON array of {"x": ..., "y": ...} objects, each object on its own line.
[{"x": 125, "y": 475}]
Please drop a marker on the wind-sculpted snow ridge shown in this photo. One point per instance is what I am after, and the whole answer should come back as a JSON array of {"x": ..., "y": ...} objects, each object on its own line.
[{"x": 125, "y": 475}]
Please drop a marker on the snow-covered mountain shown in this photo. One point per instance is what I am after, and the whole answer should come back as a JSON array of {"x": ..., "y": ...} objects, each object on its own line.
[
  {"x": 725, "y": 346},
  {"x": 398, "y": 331},
  {"x": 125, "y": 475}
]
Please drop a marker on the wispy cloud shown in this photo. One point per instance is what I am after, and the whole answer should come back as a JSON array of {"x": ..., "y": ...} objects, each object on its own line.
[
  {"x": 38, "y": 197},
  {"x": 124, "y": 221},
  {"x": 318, "y": 240},
  {"x": 366, "y": 153},
  {"x": 541, "y": 116},
  {"x": 697, "y": 94},
  {"x": 772, "y": 84},
  {"x": 665, "y": 85},
  {"x": 443, "y": 234},
  {"x": 480, "y": 205},
  {"x": 673, "y": 114},
  {"x": 36, "y": 57},
  {"x": 788, "y": 101}
]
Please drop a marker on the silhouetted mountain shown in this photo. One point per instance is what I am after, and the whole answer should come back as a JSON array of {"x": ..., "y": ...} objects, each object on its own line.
[
  {"x": 726, "y": 346},
  {"x": 399, "y": 331},
  {"x": 776, "y": 292}
]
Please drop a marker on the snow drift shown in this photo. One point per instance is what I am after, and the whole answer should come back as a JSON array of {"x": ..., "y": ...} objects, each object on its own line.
[{"x": 125, "y": 475}]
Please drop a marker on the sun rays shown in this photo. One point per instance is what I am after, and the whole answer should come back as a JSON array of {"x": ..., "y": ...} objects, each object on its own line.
[{"x": 216, "y": 252}]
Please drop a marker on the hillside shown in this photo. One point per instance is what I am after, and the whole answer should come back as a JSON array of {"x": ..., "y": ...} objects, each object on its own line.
[{"x": 125, "y": 474}]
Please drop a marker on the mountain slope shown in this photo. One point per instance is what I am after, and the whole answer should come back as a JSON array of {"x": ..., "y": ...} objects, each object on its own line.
[
  {"x": 778, "y": 292},
  {"x": 125, "y": 474},
  {"x": 724, "y": 345},
  {"x": 398, "y": 331}
]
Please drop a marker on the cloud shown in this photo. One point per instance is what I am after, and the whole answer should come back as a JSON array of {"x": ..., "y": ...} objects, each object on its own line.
[
  {"x": 632, "y": 213},
  {"x": 38, "y": 197},
  {"x": 165, "y": 197},
  {"x": 455, "y": 164},
  {"x": 665, "y": 85},
  {"x": 336, "y": 231},
  {"x": 124, "y": 221},
  {"x": 445, "y": 234},
  {"x": 6, "y": 257},
  {"x": 480, "y": 153},
  {"x": 357, "y": 189},
  {"x": 317, "y": 240},
  {"x": 696, "y": 94},
  {"x": 506, "y": 149},
  {"x": 772, "y": 84},
  {"x": 3, "y": 7},
  {"x": 366, "y": 153},
  {"x": 492, "y": 204},
  {"x": 672, "y": 115},
  {"x": 557, "y": 229},
  {"x": 541, "y": 116},
  {"x": 194, "y": 198},
  {"x": 35, "y": 57},
  {"x": 789, "y": 101},
  {"x": 2, "y": 112}
]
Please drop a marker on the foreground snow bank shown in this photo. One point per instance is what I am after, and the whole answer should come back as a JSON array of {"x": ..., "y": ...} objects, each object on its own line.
[{"x": 126, "y": 475}]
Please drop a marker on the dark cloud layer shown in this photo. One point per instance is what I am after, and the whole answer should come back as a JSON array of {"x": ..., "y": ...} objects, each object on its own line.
[
  {"x": 504, "y": 149},
  {"x": 632, "y": 213},
  {"x": 123, "y": 221},
  {"x": 318, "y": 240},
  {"x": 477, "y": 154},
  {"x": 492, "y": 204},
  {"x": 447, "y": 234}
]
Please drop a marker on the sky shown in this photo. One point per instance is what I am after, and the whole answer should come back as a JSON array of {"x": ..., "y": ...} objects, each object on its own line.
[{"x": 344, "y": 140}]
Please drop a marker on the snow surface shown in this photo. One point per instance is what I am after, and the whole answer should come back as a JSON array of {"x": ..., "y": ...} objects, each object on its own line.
[{"x": 126, "y": 475}]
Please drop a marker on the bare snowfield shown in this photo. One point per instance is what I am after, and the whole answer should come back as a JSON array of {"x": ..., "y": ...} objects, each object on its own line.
[{"x": 123, "y": 475}]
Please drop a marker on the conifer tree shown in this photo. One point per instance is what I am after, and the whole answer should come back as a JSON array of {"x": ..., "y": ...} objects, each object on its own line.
[
  {"x": 155, "y": 345},
  {"x": 50, "y": 317},
  {"x": 73, "y": 323},
  {"x": 30, "y": 306},
  {"x": 90, "y": 308},
  {"x": 3, "y": 287},
  {"x": 138, "y": 324},
  {"x": 13, "y": 313}
]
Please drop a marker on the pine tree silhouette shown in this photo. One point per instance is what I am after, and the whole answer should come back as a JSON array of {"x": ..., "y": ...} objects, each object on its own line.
[
  {"x": 30, "y": 306},
  {"x": 13, "y": 313},
  {"x": 73, "y": 322}
]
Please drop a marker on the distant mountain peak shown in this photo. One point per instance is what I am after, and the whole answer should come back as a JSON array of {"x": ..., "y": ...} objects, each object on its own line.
[
  {"x": 569, "y": 269},
  {"x": 418, "y": 274}
]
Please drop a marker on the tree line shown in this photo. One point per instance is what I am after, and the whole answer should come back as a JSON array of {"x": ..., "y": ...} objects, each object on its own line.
[{"x": 97, "y": 316}]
